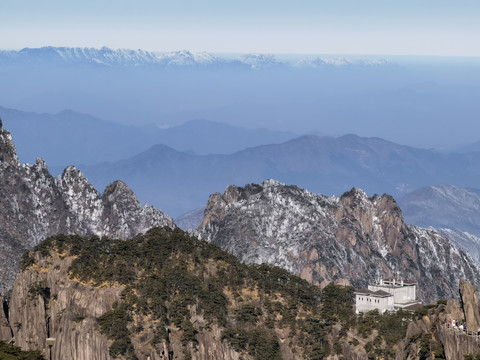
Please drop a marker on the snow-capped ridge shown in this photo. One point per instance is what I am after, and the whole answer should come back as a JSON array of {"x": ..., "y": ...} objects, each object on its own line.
[{"x": 180, "y": 58}]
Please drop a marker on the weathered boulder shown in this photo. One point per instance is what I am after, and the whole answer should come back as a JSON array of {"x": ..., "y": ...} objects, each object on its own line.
[{"x": 470, "y": 305}]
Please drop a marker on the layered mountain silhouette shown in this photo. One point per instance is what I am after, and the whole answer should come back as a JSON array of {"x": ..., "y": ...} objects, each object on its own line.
[
  {"x": 70, "y": 137},
  {"x": 182, "y": 181}
]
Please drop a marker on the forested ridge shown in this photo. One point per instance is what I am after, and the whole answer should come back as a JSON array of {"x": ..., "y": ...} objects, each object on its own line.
[{"x": 167, "y": 275}]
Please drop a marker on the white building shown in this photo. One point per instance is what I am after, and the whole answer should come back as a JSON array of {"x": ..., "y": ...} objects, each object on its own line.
[
  {"x": 387, "y": 295},
  {"x": 367, "y": 300}
]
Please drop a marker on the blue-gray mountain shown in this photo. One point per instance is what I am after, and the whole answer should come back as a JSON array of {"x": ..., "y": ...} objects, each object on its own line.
[
  {"x": 349, "y": 239},
  {"x": 180, "y": 181},
  {"x": 443, "y": 206},
  {"x": 433, "y": 100},
  {"x": 72, "y": 138}
]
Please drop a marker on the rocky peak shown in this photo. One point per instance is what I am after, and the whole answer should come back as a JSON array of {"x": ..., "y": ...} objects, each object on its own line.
[
  {"x": 433, "y": 331},
  {"x": 8, "y": 153},
  {"x": 352, "y": 239},
  {"x": 35, "y": 205},
  {"x": 469, "y": 299},
  {"x": 119, "y": 192}
]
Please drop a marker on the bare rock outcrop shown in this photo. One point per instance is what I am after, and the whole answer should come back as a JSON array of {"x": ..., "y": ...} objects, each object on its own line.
[
  {"x": 47, "y": 304},
  {"x": 351, "y": 239},
  {"x": 435, "y": 335},
  {"x": 35, "y": 205},
  {"x": 469, "y": 299},
  {"x": 5, "y": 331}
]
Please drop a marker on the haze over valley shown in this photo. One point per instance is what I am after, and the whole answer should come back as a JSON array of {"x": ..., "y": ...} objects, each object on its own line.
[{"x": 239, "y": 180}]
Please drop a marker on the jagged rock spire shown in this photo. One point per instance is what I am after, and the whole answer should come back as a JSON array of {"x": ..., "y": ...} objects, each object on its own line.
[
  {"x": 8, "y": 153},
  {"x": 470, "y": 305},
  {"x": 34, "y": 205}
]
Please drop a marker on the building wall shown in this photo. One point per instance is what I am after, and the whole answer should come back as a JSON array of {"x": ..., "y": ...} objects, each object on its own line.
[
  {"x": 401, "y": 294},
  {"x": 365, "y": 303}
]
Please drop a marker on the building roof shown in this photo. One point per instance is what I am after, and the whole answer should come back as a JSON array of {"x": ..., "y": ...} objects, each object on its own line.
[
  {"x": 378, "y": 293},
  {"x": 363, "y": 291},
  {"x": 382, "y": 293}
]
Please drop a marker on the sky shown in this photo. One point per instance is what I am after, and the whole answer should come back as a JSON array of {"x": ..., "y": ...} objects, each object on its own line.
[{"x": 384, "y": 27}]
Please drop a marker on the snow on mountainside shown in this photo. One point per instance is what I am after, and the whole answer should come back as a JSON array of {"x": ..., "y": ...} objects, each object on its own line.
[
  {"x": 443, "y": 206},
  {"x": 126, "y": 57},
  {"x": 182, "y": 181},
  {"x": 36, "y": 205},
  {"x": 351, "y": 239},
  {"x": 453, "y": 211},
  {"x": 338, "y": 62},
  {"x": 463, "y": 240},
  {"x": 106, "y": 56}
]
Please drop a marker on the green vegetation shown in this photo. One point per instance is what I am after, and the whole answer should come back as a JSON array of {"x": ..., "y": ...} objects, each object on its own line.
[
  {"x": 114, "y": 324},
  {"x": 168, "y": 274},
  {"x": 391, "y": 327},
  {"x": 40, "y": 289},
  {"x": 9, "y": 352},
  {"x": 424, "y": 310},
  {"x": 27, "y": 260},
  {"x": 262, "y": 345}
]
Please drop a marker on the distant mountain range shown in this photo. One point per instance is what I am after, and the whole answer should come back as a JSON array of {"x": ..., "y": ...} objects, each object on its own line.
[
  {"x": 179, "y": 181},
  {"x": 182, "y": 58},
  {"x": 69, "y": 138}
]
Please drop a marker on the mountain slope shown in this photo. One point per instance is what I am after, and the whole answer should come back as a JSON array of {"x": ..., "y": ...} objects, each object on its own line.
[
  {"x": 453, "y": 211},
  {"x": 350, "y": 239},
  {"x": 35, "y": 205},
  {"x": 443, "y": 206},
  {"x": 463, "y": 240},
  {"x": 183, "y": 181}
]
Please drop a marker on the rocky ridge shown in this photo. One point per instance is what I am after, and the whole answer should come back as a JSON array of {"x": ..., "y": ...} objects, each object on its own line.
[
  {"x": 182, "y": 58},
  {"x": 351, "y": 239},
  {"x": 36, "y": 205}
]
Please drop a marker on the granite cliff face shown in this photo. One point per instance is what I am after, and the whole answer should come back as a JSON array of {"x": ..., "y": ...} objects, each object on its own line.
[
  {"x": 434, "y": 336},
  {"x": 350, "y": 239},
  {"x": 35, "y": 205},
  {"x": 69, "y": 315},
  {"x": 469, "y": 303}
]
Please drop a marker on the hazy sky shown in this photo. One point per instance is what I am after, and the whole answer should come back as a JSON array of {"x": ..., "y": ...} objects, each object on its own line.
[{"x": 407, "y": 27}]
